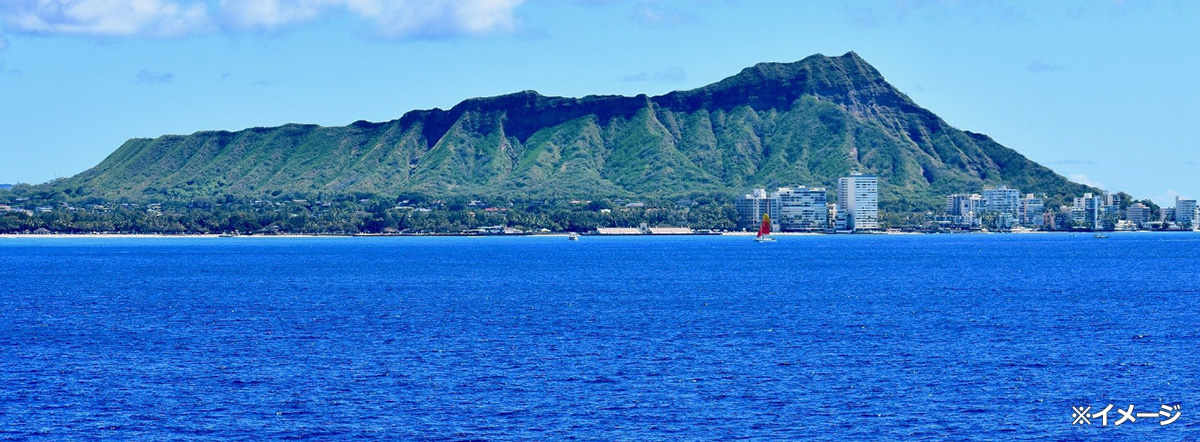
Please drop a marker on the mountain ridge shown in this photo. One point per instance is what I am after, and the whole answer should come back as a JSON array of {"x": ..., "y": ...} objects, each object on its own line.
[{"x": 772, "y": 124}]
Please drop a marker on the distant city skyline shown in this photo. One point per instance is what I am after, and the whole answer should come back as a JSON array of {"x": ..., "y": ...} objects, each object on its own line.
[
  {"x": 807, "y": 209},
  {"x": 1100, "y": 91}
]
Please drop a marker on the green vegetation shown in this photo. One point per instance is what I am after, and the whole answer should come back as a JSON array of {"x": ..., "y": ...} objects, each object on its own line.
[
  {"x": 774, "y": 124},
  {"x": 353, "y": 214}
]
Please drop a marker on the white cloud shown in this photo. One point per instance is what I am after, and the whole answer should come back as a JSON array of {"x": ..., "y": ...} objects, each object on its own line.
[
  {"x": 158, "y": 18},
  {"x": 1083, "y": 179},
  {"x": 269, "y": 14},
  {"x": 392, "y": 19},
  {"x": 173, "y": 18},
  {"x": 438, "y": 18}
]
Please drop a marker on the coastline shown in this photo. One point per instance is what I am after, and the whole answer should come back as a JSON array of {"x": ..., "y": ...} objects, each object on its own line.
[{"x": 561, "y": 235}]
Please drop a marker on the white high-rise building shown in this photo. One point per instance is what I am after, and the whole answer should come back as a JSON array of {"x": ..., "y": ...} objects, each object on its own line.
[
  {"x": 754, "y": 205},
  {"x": 1112, "y": 205},
  {"x": 1030, "y": 210},
  {"x": 964, "y": 204},
  {"x": 1002, "y": 200},
  {"x": 1004, "y": 204},
  {"x": 858, "y": 202},
  {"x": 1186, "y": 212},
  {"x": 1088, "y": 212},
  {"x": 802, "y": 208},
  {"x": 1138, "y": 214},
  {"x": 962, "y": 211}
]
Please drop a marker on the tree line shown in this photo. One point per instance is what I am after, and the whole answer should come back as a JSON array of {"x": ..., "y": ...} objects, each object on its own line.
[{"x": 349, "y": 214}]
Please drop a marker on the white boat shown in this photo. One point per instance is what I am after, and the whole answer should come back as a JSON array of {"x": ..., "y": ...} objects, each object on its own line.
[
  {"x": 573, "y": 236},
  {"x": 764, "y": 231}
]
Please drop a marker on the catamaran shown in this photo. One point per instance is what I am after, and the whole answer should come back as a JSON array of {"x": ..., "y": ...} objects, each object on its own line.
[{"x": 764, "y": 231}]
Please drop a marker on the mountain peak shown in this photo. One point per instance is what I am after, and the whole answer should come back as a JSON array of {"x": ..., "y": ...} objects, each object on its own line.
[
  {"x": 848, "y": 62},
  {"x": 847, "y": 80}
]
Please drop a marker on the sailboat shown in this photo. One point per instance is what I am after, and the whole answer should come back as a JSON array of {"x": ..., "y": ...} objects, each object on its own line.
[{"x": 764, "y": 231}]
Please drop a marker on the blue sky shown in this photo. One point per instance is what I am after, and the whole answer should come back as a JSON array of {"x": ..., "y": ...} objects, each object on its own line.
[{"x": 1104, "y": 92}]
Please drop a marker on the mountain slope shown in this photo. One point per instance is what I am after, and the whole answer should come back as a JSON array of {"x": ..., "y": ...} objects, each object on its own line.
[{"x": 773, "y": 124}]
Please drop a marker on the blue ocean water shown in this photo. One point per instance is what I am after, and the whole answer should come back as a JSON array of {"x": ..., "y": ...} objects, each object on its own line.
[{"x": 936, "y": 337}]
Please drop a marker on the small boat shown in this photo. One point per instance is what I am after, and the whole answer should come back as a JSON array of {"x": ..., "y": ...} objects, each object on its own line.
[
  {"x": 573, "y": 236},
  {"x": 764, "y": 231},
  {"x": 1100, "y": 236}
]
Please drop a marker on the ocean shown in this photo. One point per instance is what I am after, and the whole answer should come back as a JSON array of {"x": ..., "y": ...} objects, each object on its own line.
[{"x": 705, "y": 338}]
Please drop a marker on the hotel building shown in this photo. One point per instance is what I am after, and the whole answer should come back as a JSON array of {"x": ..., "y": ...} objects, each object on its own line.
[
  {"x": 1186, "y": 213},
  {"x": 1138, "y": 214},
  {"x": 858, "y": 202},
  {"x": 802, "y": 209},
  {"x": 753, "y": 205},
  {"x": 1029, "y": 211},
  {"x": 962, "y": 211}
]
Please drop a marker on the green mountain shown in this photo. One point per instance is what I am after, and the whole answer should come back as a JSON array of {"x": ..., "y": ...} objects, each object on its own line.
[{"x": 773, "y": 124}]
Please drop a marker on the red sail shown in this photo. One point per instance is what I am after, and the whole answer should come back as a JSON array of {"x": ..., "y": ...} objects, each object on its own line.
[{"x": 765, "y": 229}]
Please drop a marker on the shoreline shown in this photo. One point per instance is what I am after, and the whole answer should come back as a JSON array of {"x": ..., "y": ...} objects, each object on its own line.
[{"x": 563, "y": 235}]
